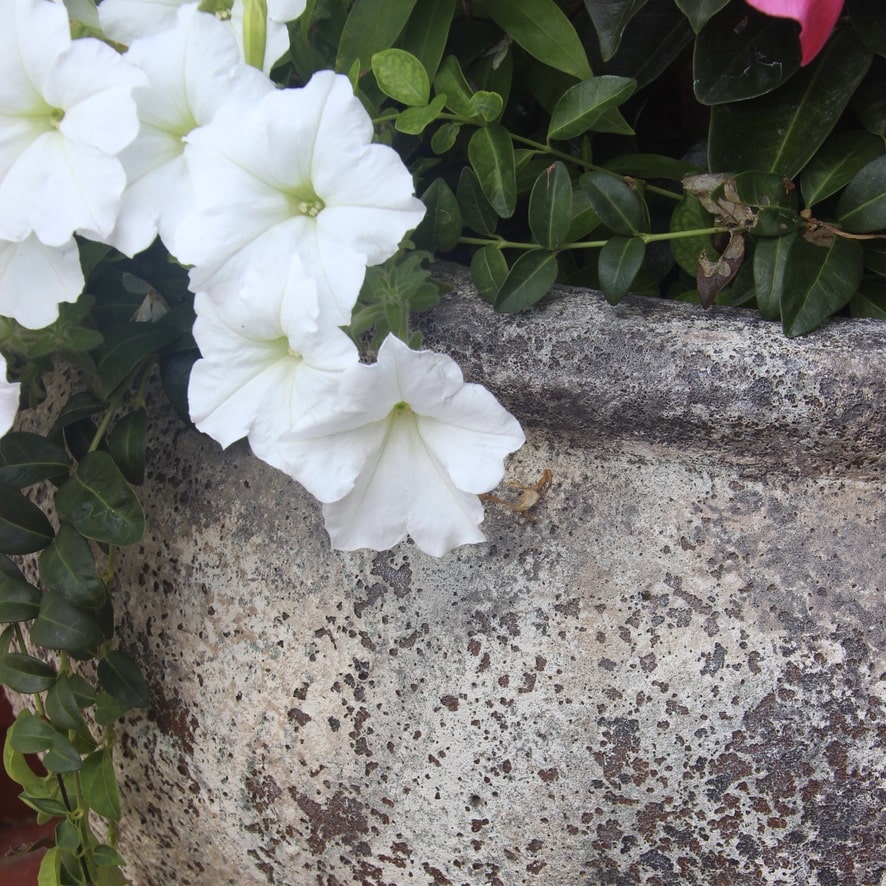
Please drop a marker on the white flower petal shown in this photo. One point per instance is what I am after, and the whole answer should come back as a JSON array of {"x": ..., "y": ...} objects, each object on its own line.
[
  {"x": 285, "y": 10},
  {"x": 126, "y": 20},
  {"x": 35, "y": 279},
  {"x": 9, "y": 399}
]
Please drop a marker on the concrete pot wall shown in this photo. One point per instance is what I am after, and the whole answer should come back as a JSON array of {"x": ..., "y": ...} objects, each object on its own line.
[{"x": 673, "y": 677}]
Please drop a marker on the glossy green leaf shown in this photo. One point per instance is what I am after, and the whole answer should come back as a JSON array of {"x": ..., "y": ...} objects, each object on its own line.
[
  {"x": 67, "y": 567},
  {"x": 62, "y": 625},
  {"x": 529, "y": 279},
  {"x": 835, "y": 164},
  {"x": 492, "y": 157},
  {"x": 67, "y": 836},
  {"x": 613, "y": 121},
  {"x": 14, "y": 762},
  {"x": 776, "y": 221},
  {"x": 126, "y": 346},
  {"x": 126, "y": 445},
  {"x": 619, "y": 261},
  {"x": 62, "y": 706},
  {"x": 32, "y": 735},
  {"x": 584, "y": 219},
  {"x": 770, "y": 261},
  {"x": 99, "y": 785},
  {"x": 108, "y": 710},
  {"x": 550, "y": 206},
  {"x": 489, "y": 269},
  {"x": 23, "y": 526},
  {"x": 19, "y": 600},
  {"x": 371, "y": 26},
  {"x": 121, "y": 677},
  {"x": 414, "y": 121},
  {"x": 699, "y": 11},
  {"x": 870, "y": 300},
  {"x": 105, "y": 855},
  {"x": 62, "y": 756},
  {"x": 24, "y": 673},
  {"x": 582, "y": 105},
  {"x": 544, "y": 31},
  {"x": 862, "y": 206},
  {"x": 401, "y": 76},
  {"x": 764, "y": 189},
  {"x": 29, "y": 458},
  {"x": 781, "y": 131},
  {"x": 741, "y": 54},
  {"x": 818, "y": 280},
  {"x": 476, "y": 211},
  {"x": 426, "y": 32},
  {"x": 618, "y": 207},
  {"x": 99, "y": 503},
  {"x": 441, "y": 227},
  {"x": 610, "y": 18},
  {"x": 79, "y": 406},
  {"x": 690, "y": 215},
  {"x": 451, "y": 81}
]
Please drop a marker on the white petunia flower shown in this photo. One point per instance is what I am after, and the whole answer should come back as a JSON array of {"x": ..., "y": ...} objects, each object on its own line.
[
  {"x": 266, "y": 359},
  {"x": 9, "y": 397},
  {"x": 193, "y": 69},
  {"x": 128, "y": 20},
  {"x": 404, "y": 446},
  {"x": 35, "y": 279},
  {"x": 296, "y": 173},
  {"x": 66, "y": 112}
]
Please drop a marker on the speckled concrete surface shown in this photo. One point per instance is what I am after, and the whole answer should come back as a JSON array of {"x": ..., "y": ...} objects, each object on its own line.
[{"x": 674, "y": 677}]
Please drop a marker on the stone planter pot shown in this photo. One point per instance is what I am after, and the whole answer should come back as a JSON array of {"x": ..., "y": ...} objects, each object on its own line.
[{"x": 670, "y": 678}]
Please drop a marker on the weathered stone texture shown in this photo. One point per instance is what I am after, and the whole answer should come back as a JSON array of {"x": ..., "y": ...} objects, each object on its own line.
[{"x": 673, "y": 677}]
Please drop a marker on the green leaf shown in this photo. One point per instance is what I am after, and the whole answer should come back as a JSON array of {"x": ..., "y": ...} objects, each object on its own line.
[
  {"x": 550, "y": 206},
  {"x": 67, "y": 836},
  {"x": 530, "y": 278},
  {"x": 126, "y": 346},
  {"x": 98, "y": 502},
  {"x": 62, "y": 625},
  {"x": 764, "y": 189},
  {"x": 62, "y": 756},
  {"x": 99, "y": 784},
  {"x": 24, "y": 673},
  {"x": 741, "y": 54},
  {"x": 867, "y": 19},
  {"x": 489, "y": 268},
  {"x": 651, "y": 166},
  {"x": 440, "y": 229},
  {"x": 19, "y": 600},
  {"x": 818, "y": 280},
  {"x": 108, "y": 710},
  {"x": 426, "y": 32},
  {"x": 544, "y": 31},
  {"x": 862, "y": 206},
  {"x": 870, "y": 300},
  {"x": 67, "y": 567},
  {"x": 23, "y": 526},
  {"x": 610, "y": 18},
  {"x": 32, "y": 735},
  {"x": 875, "y": 256},
  {"x": 584, "y": 219},
  {"x": 126, "y": 445},
  {"x": 835, "y": 164},
  {"x": 83, "y": 691},
  {"x": 618, "y": 207},
  {"x": 476, "y": 211},
  {"x": 613, "y": 121},
  {"x": 79, "y": 406},
  {"x": 401, "y": 76},
  {"x": 776, "y": 221},
  {"x": 869, "y": 102},
  {"x": 444, "y": 137},
  {"x": 14, "y": 762},
  {"x": 485, "y": 106},
  {"x": 492, "y": 157},
  {"x": 451, "y": 81},
  {"x": 29, "y": 458},
  {"x": 50, "y": 868},
  {"x": 371, "y": 26},
  {"x": 582, "y": 105},
  {"x": 120, "y": 676},
  {"x": 619, "y": 261},
  {"x": 414, "y": 121},
  {"x": 781, "y": 131},
  {"x": 62, "y": 706},
  {"x": 699, "y": 11},
  {"x": 770, "y": 261},
  {"x": 106, "y": 856}
]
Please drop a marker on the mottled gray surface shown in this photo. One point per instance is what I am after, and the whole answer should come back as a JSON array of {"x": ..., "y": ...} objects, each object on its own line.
[{"x": 674, "y": 677}]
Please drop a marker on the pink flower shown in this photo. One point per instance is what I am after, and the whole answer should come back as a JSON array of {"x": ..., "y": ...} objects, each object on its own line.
[{"x": 816, "y": 17}]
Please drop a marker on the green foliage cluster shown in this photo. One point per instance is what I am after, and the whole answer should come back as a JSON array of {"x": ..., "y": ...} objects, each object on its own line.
[{"x": 665, "y": 147}]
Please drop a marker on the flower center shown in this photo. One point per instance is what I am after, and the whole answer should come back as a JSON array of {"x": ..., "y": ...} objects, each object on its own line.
[
  {"x": 55, "y": 115},
  {"x": 221, "y": 9},
  {"x": 401, "y": 408},
  {"x": 305, "y": 202},
  {"x": 295, "y": 354}
]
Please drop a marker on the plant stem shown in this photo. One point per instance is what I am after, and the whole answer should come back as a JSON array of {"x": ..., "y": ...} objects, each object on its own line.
[{"x": 501, "y": 243}]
